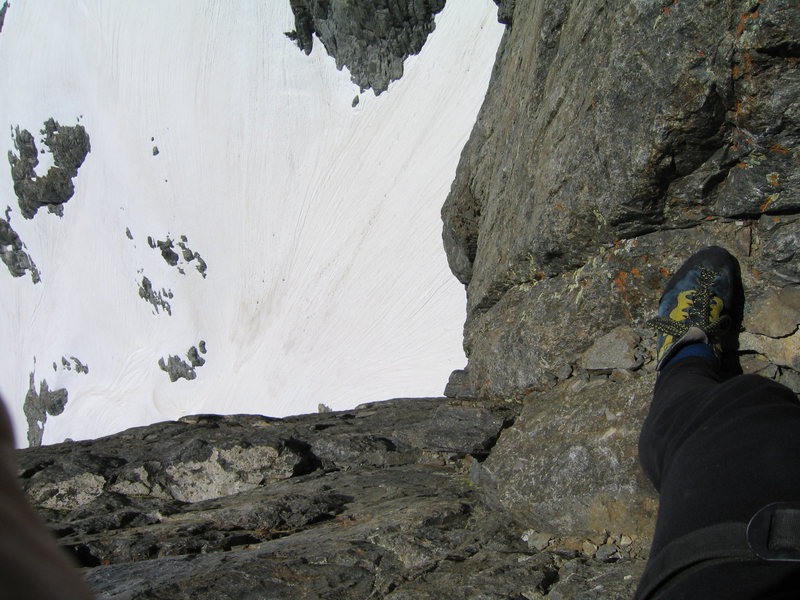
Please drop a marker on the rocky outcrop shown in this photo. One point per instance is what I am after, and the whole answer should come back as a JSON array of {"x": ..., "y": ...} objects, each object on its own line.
[
  {"x": 13, "y": 254},
  {"x": 69, "y": 146},
  {"x": 616, "y": 138},
  {"x": 178, "y": 368},
  {"x": 373, "y": 502},
  {"x": 158, "y": 299},
  {"x": 39, "y": 404},
  {"x": 172, "y": 258},
  {"x": 371, "y": 39}
]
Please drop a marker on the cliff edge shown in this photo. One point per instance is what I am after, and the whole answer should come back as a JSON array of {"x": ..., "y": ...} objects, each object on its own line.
[{"x": 616, "y": 138}]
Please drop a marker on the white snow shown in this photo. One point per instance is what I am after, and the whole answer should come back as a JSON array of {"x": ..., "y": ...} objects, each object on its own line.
[{"x": 327, "y": 281}]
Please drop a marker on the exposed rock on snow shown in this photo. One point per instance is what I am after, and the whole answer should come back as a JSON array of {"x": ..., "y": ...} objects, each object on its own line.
[
  {"x": 178, "y": 368},
  {"x": 40, "y": 404},
  {"x": 156, "y": 298},
  {"x": 371, "y": 39},
  {"x": 13, "y": 254},
  {"x": 75, "y": 363},
  {"x": 69, "y": 146},
  {"x": 173, "y": 259},
  {"x": 3, "y": 10}
]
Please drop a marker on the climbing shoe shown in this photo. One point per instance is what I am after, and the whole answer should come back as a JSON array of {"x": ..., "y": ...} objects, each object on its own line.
[{"x": 697, "y": 304}]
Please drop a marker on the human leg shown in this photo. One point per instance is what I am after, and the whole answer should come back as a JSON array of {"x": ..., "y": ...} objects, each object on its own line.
[{"x": 717, "y": 450}]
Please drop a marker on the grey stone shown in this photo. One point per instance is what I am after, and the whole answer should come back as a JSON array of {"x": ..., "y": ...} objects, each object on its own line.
[
  {"x": 38, "y": 405},
  {"x": 69, "y": 145},
  {"x": 159, "y": 300},
  {"x": 3, "y": 10},
  {"x": 614, "y": 350},
  {"x": 775, "y": 314},
  {"x": 593, "y": 580},
  {"x": 559, "y": 188},
  {"x": 211, "y": 506},
  {"x": 177, "y": 368},
  {"x": 79, "y": 366},
  {"x": 458, "y": 385},
  {"x": 169, "y": 255},
  {"x": 13, "y": 254},
  {"x": 194, "y": 357},
  {"x": 371, "y": 38},
  {"x": 784, "y": 351},
  {"x": 569, "y": 464}
]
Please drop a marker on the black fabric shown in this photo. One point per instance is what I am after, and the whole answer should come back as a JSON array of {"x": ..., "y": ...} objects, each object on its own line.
[
  {"x": 718, "y": 451},
  {"x": 783, "y": 531}
]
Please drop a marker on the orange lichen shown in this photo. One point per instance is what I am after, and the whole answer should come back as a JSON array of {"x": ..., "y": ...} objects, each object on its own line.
[
  {"x": 765, "y": 205},
  {"x": 664, "y": 272},
  {"x": 620, "y": 281},
  {"x": 778, "y": 148},
  {"x": 636, "y": 272},
  {"x": 743, "y": 19},
  {"x": 774, "y": 179}
]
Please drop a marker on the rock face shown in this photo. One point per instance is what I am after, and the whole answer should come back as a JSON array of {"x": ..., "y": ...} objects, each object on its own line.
[
  {"x": 371, "y": 39},
  {"x": 374, "y": 502},
  {"x": 615, "y": 139}
]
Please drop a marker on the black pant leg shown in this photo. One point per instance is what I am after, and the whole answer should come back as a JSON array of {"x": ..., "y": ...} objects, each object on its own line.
[
  {"x": 678, "y": 392},
  {"x": 718, "y": 451}
]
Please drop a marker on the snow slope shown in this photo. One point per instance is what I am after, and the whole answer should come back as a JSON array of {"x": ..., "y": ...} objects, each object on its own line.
[{"x": 319, "y": 222}]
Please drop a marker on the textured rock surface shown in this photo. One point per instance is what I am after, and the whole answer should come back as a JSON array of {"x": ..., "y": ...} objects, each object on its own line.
[
  {"x": 569, "y": 464},
  {"x": 69, "y": 146},
  {"x": 617, "y": 137},
  {"x": 371, "y": 39},
  {"x": 13, "y": 254},
  {"x": 374, "y": 502},
  {"x": 39, "y": 404}
]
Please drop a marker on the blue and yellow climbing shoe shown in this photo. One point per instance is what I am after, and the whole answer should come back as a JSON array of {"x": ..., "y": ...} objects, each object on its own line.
[{"x": 697, "y": 304}]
